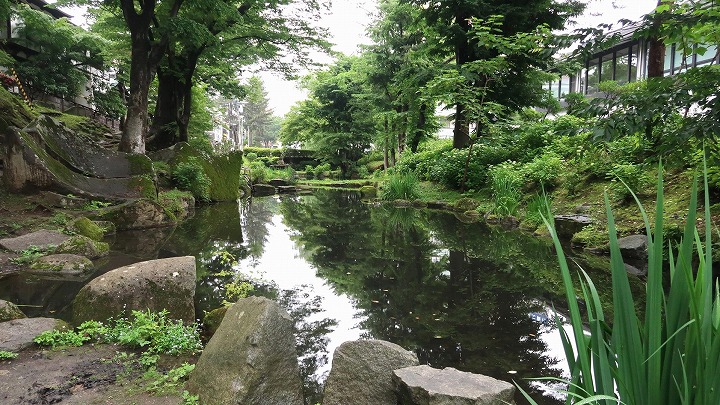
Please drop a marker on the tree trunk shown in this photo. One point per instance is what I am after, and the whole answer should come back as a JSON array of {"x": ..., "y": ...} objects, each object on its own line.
[
  {"x": 419, "y": 129},
  {"x": 386, "y": 145},
  {"x": 164, "y": 129},
  {"x": 656, "y": 49},
  {"x": 145, "y": 56},
  {"x": 461, "y": 130}
]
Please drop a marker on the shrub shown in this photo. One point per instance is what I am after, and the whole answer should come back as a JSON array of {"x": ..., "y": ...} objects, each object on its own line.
[
  {"x": 506, "y": 181},
  {"x": 189, "y": 175},
  {"x": 321, "y": 170},
  {"x": 544, "y": 170},
  {"x": 632, "y": 175},
  {"x": 258, "y": 172},
  {"x": 251, "y": 157},
  {"x": 401, "y": 186}
]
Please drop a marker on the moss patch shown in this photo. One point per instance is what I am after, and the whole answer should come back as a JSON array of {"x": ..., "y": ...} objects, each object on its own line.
[
  {"x": 223, "y": 171},
  {"x": 86, "y": 227},
  {"x": 13, "y": 111}
]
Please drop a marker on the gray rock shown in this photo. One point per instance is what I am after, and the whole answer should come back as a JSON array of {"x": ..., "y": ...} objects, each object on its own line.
[
  {"x": 635, "y": 271},
  {"x": 136, "y": 214},
  {"x": 439, "y": 205},
  {"x": 262, "y": 190},
  {"x": 633, "y": 246},
  {"x": 152, "y": 285},
  {"x": 35, "y": 160},
  {"x": 250, "y": 359},
  {"x": 61, "y": 201},
  {"x": 286, "y": 189},
  {"x": 9, "y": 311},
  {"x": 278, "y": 182},
  {"x": 568, "y": 225},
  {"x": 43, "y": 239},
  {"x": 424, "y": 385},
  {"x": 362, "y": 373},
  {"x": 62, "y": 265},
  {"x": 83, "y": 246},
  {"x": 18, "y": 334}
]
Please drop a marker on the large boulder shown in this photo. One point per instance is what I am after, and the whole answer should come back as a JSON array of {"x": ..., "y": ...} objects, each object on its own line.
[
  {"x": 18, "y": 334},
  {"x": 34, "y": 161},
  {"x": 42, "y": 239},
  {"x": 251, "y": 358},
  {"x": 362, "y": 373},
  {"x": 85, "y": 227},
  {"x": 424, "y": 385},
  {"x": 136, "y": 214},
  {"x": 156, "y": 285},
  {"x": 9, "y": 311}
]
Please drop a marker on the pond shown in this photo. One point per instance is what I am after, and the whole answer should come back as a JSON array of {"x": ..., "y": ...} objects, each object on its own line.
[{"x": 463, "y": 295}]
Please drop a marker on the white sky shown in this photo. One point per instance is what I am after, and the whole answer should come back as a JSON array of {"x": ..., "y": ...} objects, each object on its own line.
[{"x": 348, "y": 19}]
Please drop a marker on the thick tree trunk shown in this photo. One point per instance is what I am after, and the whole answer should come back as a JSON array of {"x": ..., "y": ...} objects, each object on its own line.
[
  {"x": 145, "y": 57},
  {"x": 419, "y": 129},
  {"x": 656, "y": 49},
  {"x": 136, "y": 121},
  {"x": 164, "y": 129}
]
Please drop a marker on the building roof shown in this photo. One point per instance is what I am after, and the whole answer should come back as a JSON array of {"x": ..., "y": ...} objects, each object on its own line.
[{"x": 48, "y": 8}]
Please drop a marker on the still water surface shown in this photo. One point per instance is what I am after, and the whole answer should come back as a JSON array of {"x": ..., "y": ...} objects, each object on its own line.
[{"x": 463, "y": 295}]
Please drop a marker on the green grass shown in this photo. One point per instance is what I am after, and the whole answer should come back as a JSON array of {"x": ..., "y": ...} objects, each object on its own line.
[
  {"x": 668, "y": 353},
  {"x": 401, "y": 186}
]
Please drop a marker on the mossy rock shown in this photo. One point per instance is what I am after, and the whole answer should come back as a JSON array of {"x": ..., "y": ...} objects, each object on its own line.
[
  {"x": 9, "y": 311},
  {"x": 107, "y": 227},
  {"x": 368, "y": 191},
  {"x": 401, "y": 203},
  {"x": 223, "y": 171},
  {"x": 85, "y": 227},
  {"x": 213, "y": 319},
  {"x": 419, "y": 204},
  {"x": 465, "y": 204},
  {"x": 65, "y": 263},
  {"x": 13, "y": 111},
  {"x": 83, "y": 246}
]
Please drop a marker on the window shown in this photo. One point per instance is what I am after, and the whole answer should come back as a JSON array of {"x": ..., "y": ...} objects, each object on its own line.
[
  {"x": 622, "y": 65},
  {"x": 634, "y": 62},
  {"x": 668, "y": 60},
  {"x": 708, "y": 56},
  {"x": 607, "y": 70},
  {"x": 564, "y": 86},
  {"x": 591, "y": 77}
]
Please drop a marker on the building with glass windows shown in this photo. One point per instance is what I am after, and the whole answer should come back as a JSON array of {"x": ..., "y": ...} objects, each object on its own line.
[{"x": 626, "y": 62}]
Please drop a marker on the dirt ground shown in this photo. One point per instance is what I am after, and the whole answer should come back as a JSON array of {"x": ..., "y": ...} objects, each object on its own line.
[{"x": 82, "y": 375}]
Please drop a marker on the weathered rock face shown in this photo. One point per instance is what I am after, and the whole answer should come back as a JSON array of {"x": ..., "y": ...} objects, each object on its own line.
[
  {"x": 9, "y": 311},
  {"x": 633, "y": 246},
  {"x": 136, "y": 214},
  {"x": 250, "y": 359},
  {"x": 18, "y": 334},
  {"x": 35, "y": 160},
  {"x": 362, "y": 373},
  {"x": 262, "y": 190},
  {"x": 155, "y": 285},
  {"x": 83, "y": 246},
  {"x": 568, "y": 225},
  {"x": 42, "y": 239},
  {"x": 424, "y": 385}
]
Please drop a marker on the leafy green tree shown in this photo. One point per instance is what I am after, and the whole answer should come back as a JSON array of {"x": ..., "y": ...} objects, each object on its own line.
[
  {"x": 220, "y": 39},
  {"x": 399, "y": 67},
  {"x": 65, "y": 54},
  {"x": 256, "y": 111},
  {"x": 453, "y": 35},
  {"x": 337, "y": 120}
]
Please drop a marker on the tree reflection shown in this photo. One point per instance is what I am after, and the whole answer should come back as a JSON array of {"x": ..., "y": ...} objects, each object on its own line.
[{"x": 459, "y": 295}]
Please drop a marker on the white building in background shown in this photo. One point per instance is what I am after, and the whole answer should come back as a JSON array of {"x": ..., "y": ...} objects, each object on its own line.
[
  {"x": 626, "y": 62},
  {"x": 229, "y": 123}
]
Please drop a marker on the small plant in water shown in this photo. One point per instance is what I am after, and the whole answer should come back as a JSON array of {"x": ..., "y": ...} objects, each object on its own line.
[{"x": 401, "y": 186}]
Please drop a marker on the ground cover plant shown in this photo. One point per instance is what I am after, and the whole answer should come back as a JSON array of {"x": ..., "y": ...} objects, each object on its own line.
[{"x": 670, "y": 352}]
